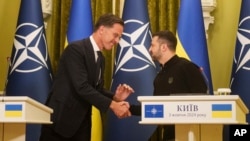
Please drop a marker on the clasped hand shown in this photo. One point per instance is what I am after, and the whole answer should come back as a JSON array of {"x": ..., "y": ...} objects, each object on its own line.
[
  {"x": 122, "y": 92},
  {"x": 121, "y": 109},
  {"x": 119, "y": 106}
]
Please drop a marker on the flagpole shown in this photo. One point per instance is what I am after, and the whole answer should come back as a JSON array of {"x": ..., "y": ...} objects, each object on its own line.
[
  {"x": 6, "y": 80},
  {"x": 121, "y": 7}
]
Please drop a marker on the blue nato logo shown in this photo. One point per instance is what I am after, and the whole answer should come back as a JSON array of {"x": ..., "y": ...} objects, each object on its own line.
[
  {"x": 154, "y": 111},
  {"x": 133, "y": 47},
  {"x": 29, "y": 54},
  {"x": 242, "y": 60}
]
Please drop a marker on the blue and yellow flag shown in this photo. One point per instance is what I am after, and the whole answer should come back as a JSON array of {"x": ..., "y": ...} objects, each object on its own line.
[
  {"x": 30, "y": 71},
  {"x": 80, "y": 20},
  {"x": 133, "y": 66},
  {"x": 192, "y": 38},
  {"x": 81, "y": 26},
  {"x": 13, "y": 110},
  {"x": 241, "y": 62},
  {"x": 222, "y": 111}
]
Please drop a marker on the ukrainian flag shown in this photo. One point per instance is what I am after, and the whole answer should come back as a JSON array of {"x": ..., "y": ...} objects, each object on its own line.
[
  {"x": 192, "y": 38},
  {"x": 80, "y": 21},
  {"x": 81, "y": 26},
  {"x": 13, "y": 110},
  {"x": 221, "y": 110}
]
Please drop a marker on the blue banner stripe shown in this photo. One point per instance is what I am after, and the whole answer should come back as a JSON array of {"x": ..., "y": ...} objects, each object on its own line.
[
  {"x": 17, "y": 107},
  {"x": 221, "y": 107}
]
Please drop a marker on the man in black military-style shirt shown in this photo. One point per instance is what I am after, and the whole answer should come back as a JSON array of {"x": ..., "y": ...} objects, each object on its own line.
[{"x": 177, "y": 76}]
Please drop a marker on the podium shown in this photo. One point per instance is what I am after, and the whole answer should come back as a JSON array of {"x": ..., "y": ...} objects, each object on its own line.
[
  {"x": 16, "y": 112},
  {"x": 196, "y": 117}
]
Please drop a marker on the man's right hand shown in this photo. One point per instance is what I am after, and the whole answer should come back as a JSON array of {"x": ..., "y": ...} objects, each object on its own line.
[{"x": 121, "y": 109}]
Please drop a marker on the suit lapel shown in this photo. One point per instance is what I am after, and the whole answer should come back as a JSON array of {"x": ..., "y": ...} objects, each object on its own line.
[{"x": 90, "y": 60}]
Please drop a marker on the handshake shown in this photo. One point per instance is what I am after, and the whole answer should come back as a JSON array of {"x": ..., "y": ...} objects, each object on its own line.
[{"x": 118, "y": 105}]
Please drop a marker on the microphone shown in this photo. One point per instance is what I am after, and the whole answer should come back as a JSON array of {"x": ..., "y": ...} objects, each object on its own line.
[{"x": 205, "y": 78}]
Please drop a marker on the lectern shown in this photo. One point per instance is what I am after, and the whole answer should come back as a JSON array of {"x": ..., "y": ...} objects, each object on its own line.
[
  {"x": 16, "y": 112},
  {"x": 196, "y": 117}
]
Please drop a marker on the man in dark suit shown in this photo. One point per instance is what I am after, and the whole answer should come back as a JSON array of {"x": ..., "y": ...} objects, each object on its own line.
[{"x": 79, "y": 84}]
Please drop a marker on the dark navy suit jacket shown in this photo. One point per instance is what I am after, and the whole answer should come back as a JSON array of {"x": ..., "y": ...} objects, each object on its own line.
[{"x": 75, "y": 89}]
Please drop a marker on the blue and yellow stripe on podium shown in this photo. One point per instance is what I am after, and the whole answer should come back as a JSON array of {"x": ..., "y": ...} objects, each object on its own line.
[
  {"x": 221, "y": 110},
  {"x": 13, "y": 110}
]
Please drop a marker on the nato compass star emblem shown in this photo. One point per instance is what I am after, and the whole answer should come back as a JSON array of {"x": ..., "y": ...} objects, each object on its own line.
[
  {"x": 30, "y": 53},
  {"x": 133, "y": 47},
  {"x": 154, "y": 111},
  {"x": 243, "y": 37}
]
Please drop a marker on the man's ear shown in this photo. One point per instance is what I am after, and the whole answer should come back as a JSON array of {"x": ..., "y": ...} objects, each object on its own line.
[
  {"x": 164, "y": 47},
  {"x": 101, "y": 29}
]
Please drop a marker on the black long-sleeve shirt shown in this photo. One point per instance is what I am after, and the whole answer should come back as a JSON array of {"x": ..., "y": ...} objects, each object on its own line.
[{"x": 177, "y": 76}]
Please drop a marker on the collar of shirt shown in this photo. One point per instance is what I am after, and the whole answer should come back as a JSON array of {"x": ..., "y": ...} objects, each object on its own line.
[
  {"x": 95, "y": 47},
  {"x": 170, "y": 62}
]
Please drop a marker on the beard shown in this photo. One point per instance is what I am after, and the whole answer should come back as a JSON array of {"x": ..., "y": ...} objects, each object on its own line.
[{"x": 156, "y": 56}]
